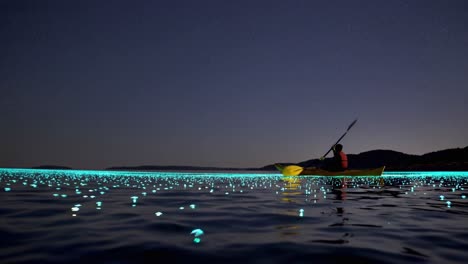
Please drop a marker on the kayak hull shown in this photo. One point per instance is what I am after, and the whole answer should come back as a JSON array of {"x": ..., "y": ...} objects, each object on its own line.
[{"x": 294, "y": 170}]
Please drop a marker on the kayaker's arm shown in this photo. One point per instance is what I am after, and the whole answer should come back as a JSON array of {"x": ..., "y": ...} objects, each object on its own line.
[
  {"x": 349, "y": 127},
  {"x": 331, "y": 149}
]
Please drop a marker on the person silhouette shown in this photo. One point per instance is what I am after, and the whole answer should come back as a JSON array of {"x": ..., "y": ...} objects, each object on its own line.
[{"x": 339, "y": 162}]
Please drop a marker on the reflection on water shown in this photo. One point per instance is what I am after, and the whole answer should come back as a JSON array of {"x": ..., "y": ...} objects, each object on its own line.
[
  {"x": 128, "y": 217},
  {"x": 291, "y": 189},
  {"x": 290, "y": 193}
]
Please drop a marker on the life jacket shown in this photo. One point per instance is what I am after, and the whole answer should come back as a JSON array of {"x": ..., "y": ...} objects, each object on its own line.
[{"x": 344, "y": 160}]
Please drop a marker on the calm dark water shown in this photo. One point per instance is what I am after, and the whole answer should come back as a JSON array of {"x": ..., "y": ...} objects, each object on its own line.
[{"x": 94, "y": 217}]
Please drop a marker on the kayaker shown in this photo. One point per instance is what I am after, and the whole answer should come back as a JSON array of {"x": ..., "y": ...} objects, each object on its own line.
[{"x": 339, "y": 162}]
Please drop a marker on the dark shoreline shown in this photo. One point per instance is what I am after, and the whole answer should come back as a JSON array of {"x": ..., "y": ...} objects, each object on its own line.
[{"x": 455, "y": 159}]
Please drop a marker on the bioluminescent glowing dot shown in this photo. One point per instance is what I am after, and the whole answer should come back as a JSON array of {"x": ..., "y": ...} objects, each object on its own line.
[
  {"x": 227, "y": 193},
  {"x": 92, "y": 197},
  {"x": 56, "y": 194},
  {"x": 33, "y": 185},
  {"x": 102, "y": 193},
  {"x": 449, "y": 204},
  {"x": 301, "y": 212},
  {"x": 85, "y": 196},
  {"x": 181, "y": 208},
  {"x": 75, "y": 209},
  {"x": 64, "y": 196},
  {"x": 192, "y": 206},
  {"x": 196, "y": 240},
  {"x": 442, "y": 197},
  {"x": 211, "y": 190},
  {"x": 73, "y": 214},
  {"x": 158, "y": 213},
  {"x": 7, "y": 189},
  {"x": 143, "y": 193},
  {"x": 77, "y": 205},
  {"x": 98, "y": 204},
  {"x": 197, "y": 232},
  {"x": 463, "y": 196},
  {"x": 134, "y": 199}
]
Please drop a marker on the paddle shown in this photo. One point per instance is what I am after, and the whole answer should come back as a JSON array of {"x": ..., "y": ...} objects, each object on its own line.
[{"x": 349, "y": 127}]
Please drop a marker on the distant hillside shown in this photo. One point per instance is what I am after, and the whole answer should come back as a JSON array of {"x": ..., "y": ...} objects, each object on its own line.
[
  {"x": 175, "y": 167},
  {"x": 443, "y": 160},
  {"x": 52, "y": 167}
]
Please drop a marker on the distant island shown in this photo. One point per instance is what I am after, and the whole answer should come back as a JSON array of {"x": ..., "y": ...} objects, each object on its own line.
[
  {"x": 175, "y": 167},
  {"x": 52, "y": 167},
  {"x": 444, "y": 160},
  {"x": 455, "y": 159}
]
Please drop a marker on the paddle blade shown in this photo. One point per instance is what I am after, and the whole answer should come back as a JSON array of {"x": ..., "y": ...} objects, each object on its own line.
[{"x": 292, "y": 170}]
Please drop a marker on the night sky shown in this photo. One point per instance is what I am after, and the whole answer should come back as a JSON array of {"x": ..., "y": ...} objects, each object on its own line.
[{"x": 94, "y": 84}]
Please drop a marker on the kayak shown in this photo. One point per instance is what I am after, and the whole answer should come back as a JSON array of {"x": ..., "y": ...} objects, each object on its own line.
[{"x": 294, "y": 170}]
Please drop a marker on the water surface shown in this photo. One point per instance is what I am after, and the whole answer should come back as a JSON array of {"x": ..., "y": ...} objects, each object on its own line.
[{"x": 142, "y": 217}]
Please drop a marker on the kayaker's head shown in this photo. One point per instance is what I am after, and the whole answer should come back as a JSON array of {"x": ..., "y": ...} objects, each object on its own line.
[{"x": 338, "y": 147}]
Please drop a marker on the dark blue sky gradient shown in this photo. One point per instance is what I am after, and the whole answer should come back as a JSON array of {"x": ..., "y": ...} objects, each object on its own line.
[{"x": 93, "y": 84}]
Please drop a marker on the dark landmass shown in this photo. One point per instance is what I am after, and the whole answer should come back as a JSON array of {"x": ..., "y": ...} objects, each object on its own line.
[
  {"x": 444, "y": 160},
  {"x": 52, "y": 167},
  {"x": 176, "y": 167}
]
